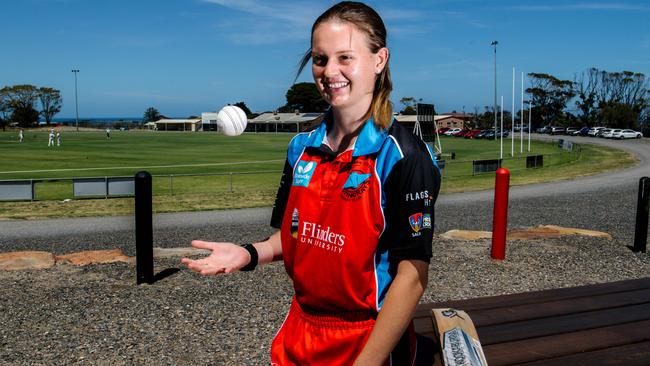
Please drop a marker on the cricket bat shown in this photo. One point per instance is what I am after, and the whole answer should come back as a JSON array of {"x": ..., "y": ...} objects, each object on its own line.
[{"x": 458, "y": 339}]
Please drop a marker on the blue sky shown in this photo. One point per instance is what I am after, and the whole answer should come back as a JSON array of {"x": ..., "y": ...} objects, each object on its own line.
[{"x": 190, "y": 56}]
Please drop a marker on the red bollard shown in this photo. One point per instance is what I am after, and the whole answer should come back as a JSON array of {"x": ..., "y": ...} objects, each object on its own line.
[{"x": 500, "y": 221}]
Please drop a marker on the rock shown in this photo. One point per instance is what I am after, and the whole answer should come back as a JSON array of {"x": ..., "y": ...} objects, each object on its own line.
[
  {"x": 95, "y": 257},
  {"x": 179, "y": 252},
  {"x": 26, "y": 260},
  {"x": 583, "y": 232},
  {"x": 466, "y": 235},
  {"x": 538, "y": 232}
]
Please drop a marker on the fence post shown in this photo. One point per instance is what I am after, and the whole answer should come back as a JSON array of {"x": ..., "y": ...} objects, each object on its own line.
[
  {"x": 231, "y": 173},
  {"x": 171, "y": 185},
  {"x": 500, "y": 216},
  {"x": 642, "y": 211},
  {"x": 143, "y": 228}
]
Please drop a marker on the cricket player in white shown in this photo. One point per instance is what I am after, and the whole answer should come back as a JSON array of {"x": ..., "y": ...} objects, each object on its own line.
[{"x": 50, "y": 141}]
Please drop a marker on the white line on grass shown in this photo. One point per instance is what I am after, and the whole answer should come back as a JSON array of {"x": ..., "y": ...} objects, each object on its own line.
[{"x": 142, "y": 167}]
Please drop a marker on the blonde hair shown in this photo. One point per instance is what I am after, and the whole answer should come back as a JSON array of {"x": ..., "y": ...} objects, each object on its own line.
[{"x": 368, "y": 21}]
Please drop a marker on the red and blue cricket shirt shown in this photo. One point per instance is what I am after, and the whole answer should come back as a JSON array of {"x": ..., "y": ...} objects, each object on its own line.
[{"x": 348, "y": 219}]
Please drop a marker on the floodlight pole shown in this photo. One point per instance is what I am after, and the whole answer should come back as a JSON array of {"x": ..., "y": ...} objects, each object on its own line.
[
  {"x": 512, "y": 127},
  {"x": 494, "y": 43},
  {"x": 521, "y": 118},
  {"x": 76, "y": 101}
]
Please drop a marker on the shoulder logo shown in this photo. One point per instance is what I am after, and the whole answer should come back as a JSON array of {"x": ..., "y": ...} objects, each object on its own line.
[
  {"x": 415, "y": 221},
  {"x": 305, "y": 169},
  {"x": 304, "y": 172}
]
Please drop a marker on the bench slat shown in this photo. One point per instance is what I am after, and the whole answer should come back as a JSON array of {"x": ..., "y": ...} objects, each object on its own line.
[
  {"x": 548, "y": 309},
  {"x": 637, "y": 354},
  {"x": 536, "y": 296},
  {"x": 563, "y": 324},
  {"x": 566, "y": 344}
]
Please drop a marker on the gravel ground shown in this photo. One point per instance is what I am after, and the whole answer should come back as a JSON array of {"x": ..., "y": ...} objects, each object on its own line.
[{"x": 97, "y": 315}]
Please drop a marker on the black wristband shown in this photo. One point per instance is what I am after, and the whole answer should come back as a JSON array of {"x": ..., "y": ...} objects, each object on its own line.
[{"x": 254, "y": 258}]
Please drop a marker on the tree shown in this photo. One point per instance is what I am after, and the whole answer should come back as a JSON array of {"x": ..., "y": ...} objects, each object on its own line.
[
  {"x": 5, "y": 107},
  {"x": 586, "y": 88},
  {"x": 25, "y": 116},
  {"x": 51, "y": 102},
  {"x": 247, "y": 111},
  {"x": 151, "y": 115},
  {"x": 304, "y": 97},
  {"x": 601, "y": 94},
  {"x": 410, "y": 105},
  {"x": 550, "y": 96},
  {"x": 619, "y": 115},
  {"x": 21, "y": 99}
]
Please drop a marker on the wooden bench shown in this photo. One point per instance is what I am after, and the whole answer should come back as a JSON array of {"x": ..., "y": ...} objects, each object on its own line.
[{"x": 604, "y": 324}]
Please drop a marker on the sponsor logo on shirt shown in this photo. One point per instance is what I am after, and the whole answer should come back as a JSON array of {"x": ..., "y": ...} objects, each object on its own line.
[
  {"x": 415, "y": 221},
  {"x": 426, "y": 221},
  {"x": 321, "y": 237},
  {"x": 303, "y": 173},
  {"x": 355, "y": 186},
  {"x": 294, "y": 223},
  {"x": 416, "y": 196}
]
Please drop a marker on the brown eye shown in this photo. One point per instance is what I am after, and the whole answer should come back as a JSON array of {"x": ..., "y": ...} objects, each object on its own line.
[
  {"x": 319, "y": 60},
  {"x": 345, "y": 58}
]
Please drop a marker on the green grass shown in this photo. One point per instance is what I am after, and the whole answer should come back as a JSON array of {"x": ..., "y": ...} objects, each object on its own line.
[{"x": 214, "y": 156}]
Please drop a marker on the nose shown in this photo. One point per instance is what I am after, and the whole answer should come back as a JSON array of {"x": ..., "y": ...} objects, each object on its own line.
[{"x": 331, "y": 69}]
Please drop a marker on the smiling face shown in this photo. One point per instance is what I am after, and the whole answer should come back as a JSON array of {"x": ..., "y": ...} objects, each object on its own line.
[{"x": 343, "y": 66}]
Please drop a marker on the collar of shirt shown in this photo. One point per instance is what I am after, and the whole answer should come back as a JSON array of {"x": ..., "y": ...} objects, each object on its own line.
[{"x": 369, "y": 141}]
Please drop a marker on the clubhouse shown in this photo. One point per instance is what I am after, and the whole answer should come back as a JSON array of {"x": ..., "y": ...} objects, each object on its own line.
[{"x": 291, "y": 122}]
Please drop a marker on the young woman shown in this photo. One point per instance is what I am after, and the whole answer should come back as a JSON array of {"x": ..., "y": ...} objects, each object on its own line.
[{"x": 354, "y": 210}]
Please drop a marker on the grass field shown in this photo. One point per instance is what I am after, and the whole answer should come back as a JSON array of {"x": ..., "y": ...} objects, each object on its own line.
[{"x": 256, "y": 161}]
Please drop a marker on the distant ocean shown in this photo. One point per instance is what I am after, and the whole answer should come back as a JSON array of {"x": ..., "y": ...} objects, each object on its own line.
[{"x": 98, "y": 120}]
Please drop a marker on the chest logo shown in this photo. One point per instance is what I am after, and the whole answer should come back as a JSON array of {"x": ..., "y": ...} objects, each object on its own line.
[
  {"x": 303, "y": 174},
  {"x": 355, "y": 186}
]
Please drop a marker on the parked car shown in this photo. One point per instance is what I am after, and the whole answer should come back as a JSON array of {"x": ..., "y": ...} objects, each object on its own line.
[
  {"x": 556, "y": 130},
  {"x": 582, "y": 132},
  {"x": 609, "y": 134},
  {"x": 443, "y": 130},
  {"x": 452, "y": 131},
  {"x": 491, "y": 134},
  {"x": 570, "y": 130},
  {"x": 506, "y": 133},
  {"x": 627, "y": 134},
  {"x": 460, "y": 133},
  {"x": 472, "y": 134},
  {"x": 481, "y": 135},
  {"x": 545, "y": 129},
  {"x": 602, "y": 132},
  {"x": 594, "y": 131}
]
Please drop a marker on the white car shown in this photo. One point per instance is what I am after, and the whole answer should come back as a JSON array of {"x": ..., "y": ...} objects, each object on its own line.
[
  {"x": 594, "y": 130},
  {"x": 626, "y": 134},
  {"x": 609, "y": 134},
  {"x": 452, "y": 131},
  {"x": 571, "y": 130}
]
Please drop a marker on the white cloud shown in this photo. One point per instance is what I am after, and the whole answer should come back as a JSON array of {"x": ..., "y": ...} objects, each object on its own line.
[{"x": 267, "y": 22}]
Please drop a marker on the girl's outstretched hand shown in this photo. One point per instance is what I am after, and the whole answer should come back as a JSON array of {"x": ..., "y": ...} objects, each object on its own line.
[{"x": 225, "y": 258}]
